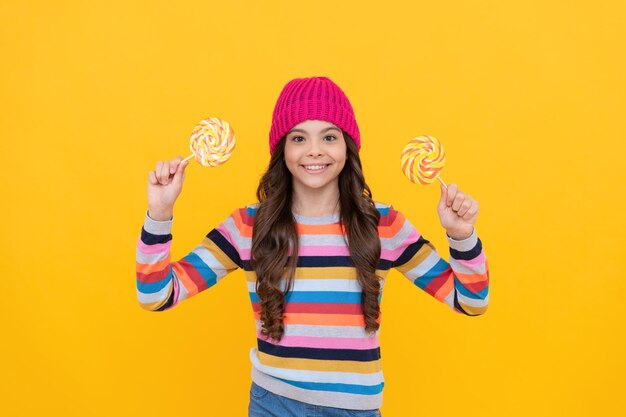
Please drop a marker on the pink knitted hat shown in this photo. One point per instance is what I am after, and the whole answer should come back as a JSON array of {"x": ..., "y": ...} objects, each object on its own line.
[{"x": 313, "y": 98}]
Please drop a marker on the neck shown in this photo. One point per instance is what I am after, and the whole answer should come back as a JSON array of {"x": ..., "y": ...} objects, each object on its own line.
[{"x": 314, "y": 203}]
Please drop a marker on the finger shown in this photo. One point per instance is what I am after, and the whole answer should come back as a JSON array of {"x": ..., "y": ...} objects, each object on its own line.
[
  {"x": 467, "y": 203},
  {"x": 473, "y": 210},
  {"x": 174, "y": 164},
  {"x": 451, "y": 194},
  {"x": 165, "y": 173},
  {"x": 442, "y": 199},
  {"x": 458, "y": 200},
  {"x": 470, "y": 214},
  {"x": 157, "y": 170},
  {"x": 179, "y": 176},
  {"x": 152, "y": 178},
  {"x": 162, "y": 174}
]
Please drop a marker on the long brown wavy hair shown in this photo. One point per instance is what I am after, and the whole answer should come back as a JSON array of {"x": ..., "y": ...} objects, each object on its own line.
[{"x": 275, "y": 230}]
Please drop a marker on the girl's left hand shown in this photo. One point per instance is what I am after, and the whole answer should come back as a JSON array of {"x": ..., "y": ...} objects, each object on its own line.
[{"x": 457, "y": 212}]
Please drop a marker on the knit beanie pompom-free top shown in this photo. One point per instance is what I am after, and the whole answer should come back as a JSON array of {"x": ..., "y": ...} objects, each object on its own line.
[{"x": 312, "y": 98}]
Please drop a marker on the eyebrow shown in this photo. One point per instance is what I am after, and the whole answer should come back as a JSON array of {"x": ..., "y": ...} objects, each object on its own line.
[{"x": 322, "y": 131}]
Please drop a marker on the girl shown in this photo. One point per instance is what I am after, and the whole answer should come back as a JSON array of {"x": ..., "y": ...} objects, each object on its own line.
[{"x": 315, "y": 249}]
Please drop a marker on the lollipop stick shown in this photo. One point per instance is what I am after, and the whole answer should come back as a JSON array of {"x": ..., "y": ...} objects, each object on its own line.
[
  {"x": 444, "y": 184},
  {"x": 187, "y": 158}
]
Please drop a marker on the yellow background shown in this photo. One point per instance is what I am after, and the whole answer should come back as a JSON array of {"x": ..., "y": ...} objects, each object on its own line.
[{"x": 527, "y": 97}]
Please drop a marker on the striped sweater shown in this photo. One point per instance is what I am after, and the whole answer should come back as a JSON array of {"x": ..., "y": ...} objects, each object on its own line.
[{"x": 325, "y": 356}]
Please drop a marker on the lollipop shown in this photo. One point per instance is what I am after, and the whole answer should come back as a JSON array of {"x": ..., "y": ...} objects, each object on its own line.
[
  {"x": 422, "y": 159},
  {"x": 212, "y": 142}
]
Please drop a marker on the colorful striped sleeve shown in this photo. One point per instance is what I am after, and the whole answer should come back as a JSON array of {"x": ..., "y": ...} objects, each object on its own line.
[
  {"x": 162, "y": 284},
  {"x": 462, "y": 283}
]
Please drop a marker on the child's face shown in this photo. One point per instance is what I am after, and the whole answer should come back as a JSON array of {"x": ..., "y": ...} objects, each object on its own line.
[{"x": 311, "y": 144}]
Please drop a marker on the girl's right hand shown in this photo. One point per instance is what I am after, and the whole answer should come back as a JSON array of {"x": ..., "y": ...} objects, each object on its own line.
[{"x": 165, "y": 184}]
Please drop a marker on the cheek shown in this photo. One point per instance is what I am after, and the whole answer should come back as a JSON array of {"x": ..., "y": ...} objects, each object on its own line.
[
  {"x": 292, "y": 165},
  {"x": 292, "y": 154},
  {"x": 341, "y": 160}
]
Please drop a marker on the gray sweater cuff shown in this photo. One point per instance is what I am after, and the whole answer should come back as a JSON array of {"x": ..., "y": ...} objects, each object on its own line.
[
  {"x": 157, "y": 227},
  {"x": 465, "y": 244}
]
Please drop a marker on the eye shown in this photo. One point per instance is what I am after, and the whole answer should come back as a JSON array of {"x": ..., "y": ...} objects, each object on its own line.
[{"x": 296, "y": 138}]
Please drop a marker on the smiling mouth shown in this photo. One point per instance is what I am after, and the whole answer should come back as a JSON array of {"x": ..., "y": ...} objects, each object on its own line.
[{"x": 315, "y": 168}]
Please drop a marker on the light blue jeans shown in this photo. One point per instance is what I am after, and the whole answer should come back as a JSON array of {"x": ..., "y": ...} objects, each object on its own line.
[{"x": 264, "y": 403}]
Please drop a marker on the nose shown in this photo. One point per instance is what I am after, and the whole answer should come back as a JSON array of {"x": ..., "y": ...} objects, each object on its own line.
[{"x": 314, "y": 149}]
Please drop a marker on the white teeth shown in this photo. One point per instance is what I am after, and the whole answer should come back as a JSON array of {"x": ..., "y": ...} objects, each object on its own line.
[{"x": 314, "y": 167}]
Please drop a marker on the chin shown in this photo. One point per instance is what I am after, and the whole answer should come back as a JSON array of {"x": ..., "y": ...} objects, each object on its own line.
[
  {"x": 306, "y": 182},
  {"x": 314, "y": 185}
]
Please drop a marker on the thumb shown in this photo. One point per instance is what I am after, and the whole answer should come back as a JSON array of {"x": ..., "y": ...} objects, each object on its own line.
[
  {"x": 444, "y": 197},
  {"x": 180, "y": 172}
]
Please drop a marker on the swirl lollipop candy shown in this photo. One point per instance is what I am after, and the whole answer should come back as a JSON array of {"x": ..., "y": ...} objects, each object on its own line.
[
  {"x": 422, "y": 159},
  {"x": 212, "y": 142}
]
